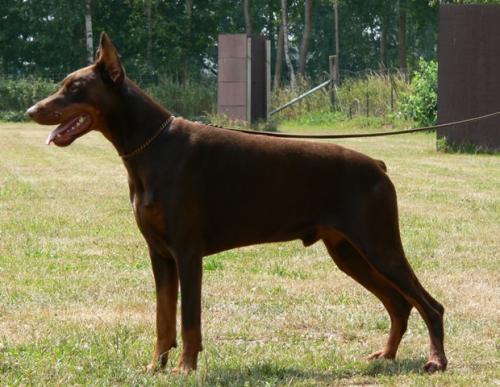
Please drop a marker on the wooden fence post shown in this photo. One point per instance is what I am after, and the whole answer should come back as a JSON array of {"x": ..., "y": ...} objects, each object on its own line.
[
  {"x": 392, "y": 98},
  {"x": 332, "y": 61},
  {"x": 367, "y": 104}
]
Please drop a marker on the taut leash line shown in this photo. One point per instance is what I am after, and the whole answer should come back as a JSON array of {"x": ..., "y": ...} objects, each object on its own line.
[{"x": 375, "y": 134}]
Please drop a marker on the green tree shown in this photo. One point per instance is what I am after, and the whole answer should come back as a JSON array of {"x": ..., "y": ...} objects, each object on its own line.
[
  {"x": 420, "y": 103},
  {"x": 179, "y": 38}
]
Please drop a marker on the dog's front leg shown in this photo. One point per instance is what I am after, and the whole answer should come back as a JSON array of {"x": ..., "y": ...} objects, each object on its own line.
[
  {"x": 190, "y": 276},
  {"x": 167, "y": 285}
]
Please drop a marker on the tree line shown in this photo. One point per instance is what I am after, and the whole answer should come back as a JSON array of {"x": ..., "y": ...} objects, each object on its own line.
[{"x": 178, "y": 38}]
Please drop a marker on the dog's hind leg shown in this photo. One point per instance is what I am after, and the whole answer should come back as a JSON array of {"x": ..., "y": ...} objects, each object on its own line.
[
  {"x": 396, "y": 270},
  {"x": 353, "y": 264},
  {"x": 167, "y": 284},
  {"x": 377, "y": 238}
]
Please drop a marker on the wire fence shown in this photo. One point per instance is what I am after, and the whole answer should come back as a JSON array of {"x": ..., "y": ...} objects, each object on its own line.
[
  {"x": 360, "y": 93},
  {"x": 371, "y": 92}
]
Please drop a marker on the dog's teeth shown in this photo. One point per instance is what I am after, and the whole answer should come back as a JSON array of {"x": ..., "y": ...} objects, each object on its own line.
[{"x": 80, "y": 121}]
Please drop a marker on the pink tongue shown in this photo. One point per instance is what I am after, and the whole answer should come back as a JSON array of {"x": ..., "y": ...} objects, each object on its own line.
[{"x": 61, "y": 129}]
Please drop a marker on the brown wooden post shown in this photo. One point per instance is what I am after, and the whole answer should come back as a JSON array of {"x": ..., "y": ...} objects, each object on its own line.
[
  {"x": 392, "y": 97},
  {"x": 337, "y": 43},
  {"x": 349, "y": 101},
  {"x": 367, "y": 104},
  {"x": 332, "y": 61}
]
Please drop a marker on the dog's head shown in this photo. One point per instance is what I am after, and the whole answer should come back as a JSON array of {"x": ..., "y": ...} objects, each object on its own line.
[{"x": 83, "y": 98}]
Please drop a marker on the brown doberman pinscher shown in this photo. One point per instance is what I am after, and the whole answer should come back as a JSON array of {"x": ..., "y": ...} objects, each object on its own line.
[{"x": 197, "y": 190}]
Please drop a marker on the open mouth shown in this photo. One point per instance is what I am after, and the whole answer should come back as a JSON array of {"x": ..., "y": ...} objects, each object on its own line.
[{"x": 70, "y": 130}]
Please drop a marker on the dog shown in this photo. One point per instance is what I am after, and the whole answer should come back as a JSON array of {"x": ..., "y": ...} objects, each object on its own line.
[{"x": 198, "y": 190}]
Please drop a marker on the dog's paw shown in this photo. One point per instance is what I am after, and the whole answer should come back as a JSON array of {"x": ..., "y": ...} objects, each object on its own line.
[
  {"x": 182, "y": 369},
  {"x": 382, "y": 354},
  {"x": 185, "y": 366},
  {"x": 152, "y": 368},
  {"x": 158, "y": 364},
  {"x": 435, "y": 363}
]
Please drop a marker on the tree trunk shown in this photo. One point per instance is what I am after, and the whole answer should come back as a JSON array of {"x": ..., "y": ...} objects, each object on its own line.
[
  {"x": 304, "y": 46},
  {"x": 284, "y": 15},
  {"x": 149, "y": 33},
  {"x": 248, "y": 19},
  {"x": 402, "y": 39},
  {"x": 278, "y": 65},
  {"x": 89, "y": 39},
  {"x": 337, "y": 44},
  {"x": 187, "y": 46},
  {"x": 383, "y": 43}
]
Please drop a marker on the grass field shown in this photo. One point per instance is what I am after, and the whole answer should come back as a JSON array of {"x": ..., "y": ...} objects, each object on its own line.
[{"x": 77, "y": 293}]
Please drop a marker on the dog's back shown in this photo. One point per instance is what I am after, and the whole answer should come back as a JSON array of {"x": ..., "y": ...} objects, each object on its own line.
[{"x": 245, "y": 189}]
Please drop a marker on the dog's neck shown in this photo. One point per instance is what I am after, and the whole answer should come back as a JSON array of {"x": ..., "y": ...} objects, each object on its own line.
[{"x": 134, "y": 120}]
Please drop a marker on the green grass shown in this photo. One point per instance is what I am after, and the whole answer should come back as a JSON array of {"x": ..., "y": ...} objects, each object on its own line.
[{"x": 77, "y": 293}]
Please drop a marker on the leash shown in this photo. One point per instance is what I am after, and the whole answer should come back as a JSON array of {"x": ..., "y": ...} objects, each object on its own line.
[
  {"x": 375, "y": 134},
  {"x": 166, "y": 124},
  {"x": 145, "y": 144}
]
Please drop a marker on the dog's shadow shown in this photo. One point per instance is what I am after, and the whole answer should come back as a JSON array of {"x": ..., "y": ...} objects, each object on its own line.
[{"x": 279, "y": 374}]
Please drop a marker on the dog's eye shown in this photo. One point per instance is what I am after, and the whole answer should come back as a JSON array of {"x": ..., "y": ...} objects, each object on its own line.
[{"x": 74, "y": 87}]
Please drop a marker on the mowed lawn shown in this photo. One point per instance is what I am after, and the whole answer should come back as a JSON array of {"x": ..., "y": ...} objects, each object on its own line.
[{"x": 77, "y": 299}]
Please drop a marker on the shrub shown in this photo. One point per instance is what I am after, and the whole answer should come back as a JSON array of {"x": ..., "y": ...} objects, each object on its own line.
[
  {"x": 381, "y": 90},
  {"x": 316, "y": 102},
  {"x": 373, "y": 95},
  {"x": 16, "y": 95},
  {"x": 192, "y": 100},
  {"x": 420, "y": 102}
]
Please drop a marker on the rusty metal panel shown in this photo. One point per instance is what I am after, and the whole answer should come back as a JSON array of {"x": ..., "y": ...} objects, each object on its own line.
[
  {"x": 242, "y": 77},
  {"x": 232, "y": 70},
  {"x": 258, "y": 79},
  {"x": 235, "y": 112},
  {"x": 268, "y": 78},
  {"x": 469, "y": 73},
  {"x": 233, "y": 45},
  {"x": 232, "y": 76}
]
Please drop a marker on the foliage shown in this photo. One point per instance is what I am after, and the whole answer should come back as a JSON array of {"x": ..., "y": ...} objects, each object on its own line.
[
  {"x": 17, "y": 94},
  {"x": 47, "y": 37},
  {"x": 191, "y": 99},
  {"x": 420, "y": 102},
  {"x": 375, "y": 94},
  {"x": 173, "y": 52},
  {"x": 366, "y": 95},
  {"x": 317, "y": 102}
]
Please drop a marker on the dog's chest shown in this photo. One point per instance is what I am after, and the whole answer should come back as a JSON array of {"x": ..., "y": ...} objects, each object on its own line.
[{"x": 149, "y": 214}]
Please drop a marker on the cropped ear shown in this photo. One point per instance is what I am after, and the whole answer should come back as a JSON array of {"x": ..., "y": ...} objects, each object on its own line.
[
  {"x": 97, "y": 55},
  {"x": 108, "y": 57}
]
